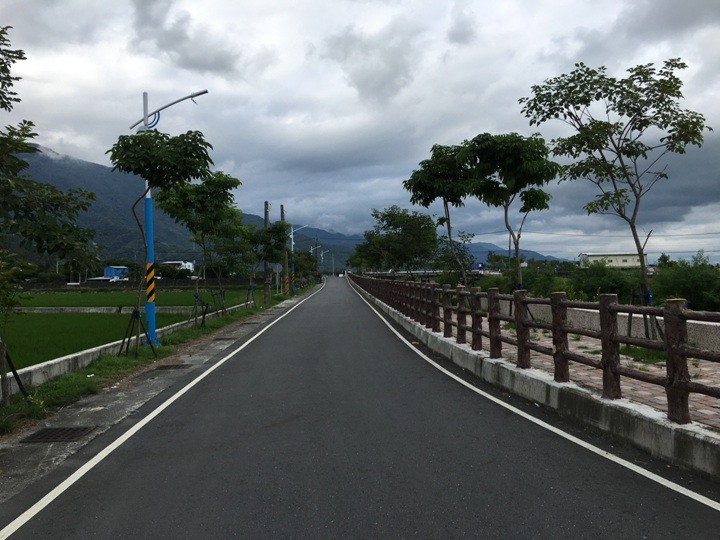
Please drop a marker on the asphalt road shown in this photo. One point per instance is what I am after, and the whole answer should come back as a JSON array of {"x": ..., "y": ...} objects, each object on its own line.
[{"x": 327, "y": 425}]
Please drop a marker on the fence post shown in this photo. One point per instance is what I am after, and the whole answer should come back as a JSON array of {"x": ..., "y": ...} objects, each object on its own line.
[
  {"x": 462, "y": 311},
  {"x": 676, "y": 362},
  {"x": 416, "y": 299},
  {"x": 447, "y": 311},
  {"x": 559, "y": 336},
  {"x": 436, "y": 303},
  {"x": 428, "y": 306},
  {"x": 476, "y": 318},
  {"x": 522, "y": 332},
  {"x": 494, "y": 323},
  {"x": 610, "y": 347}
]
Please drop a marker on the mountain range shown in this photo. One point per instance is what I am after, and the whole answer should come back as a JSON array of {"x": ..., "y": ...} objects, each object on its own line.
[{"x": 116, "y": 230}]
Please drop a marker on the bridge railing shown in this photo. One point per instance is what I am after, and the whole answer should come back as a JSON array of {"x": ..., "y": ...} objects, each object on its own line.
[{"x": 469, "y": 316}]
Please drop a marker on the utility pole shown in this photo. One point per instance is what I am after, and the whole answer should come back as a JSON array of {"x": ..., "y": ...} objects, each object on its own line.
[
  {"x": 286, "y": 275},
  {"x": 266, "y": 266},
  {"x": 149, "y": 233}
]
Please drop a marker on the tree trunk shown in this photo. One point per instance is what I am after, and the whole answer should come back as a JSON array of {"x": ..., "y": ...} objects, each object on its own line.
[
  {"x": 516, "y": 243},
  {"x": 452, "y": 246},
  {"x": 644, "y": 281}
]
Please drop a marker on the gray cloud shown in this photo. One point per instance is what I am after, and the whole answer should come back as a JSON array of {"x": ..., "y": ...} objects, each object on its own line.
[
  {"x": 462, "y": 29},
  {"x": 327, "y": 107},
  {"x": 377, "y": 65},
  {"x": 185, "y": 44}
]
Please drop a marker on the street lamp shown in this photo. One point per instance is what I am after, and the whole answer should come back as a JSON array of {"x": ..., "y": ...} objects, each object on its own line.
[
  {"x": 149, "y": 236},
  {"x": 292, "y": 256}
]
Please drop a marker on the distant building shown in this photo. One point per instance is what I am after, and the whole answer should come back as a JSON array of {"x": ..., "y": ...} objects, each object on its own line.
[
  {"x": 115, "y": 272},
  {"x": 180, "y": 265},
  {"x": 614, "y": 260}
]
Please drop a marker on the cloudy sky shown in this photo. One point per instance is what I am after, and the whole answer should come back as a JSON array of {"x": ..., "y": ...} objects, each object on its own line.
[{"x": 326, "y": 106}]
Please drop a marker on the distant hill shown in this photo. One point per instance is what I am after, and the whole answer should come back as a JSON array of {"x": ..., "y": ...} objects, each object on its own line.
[{"x": 111, "y": 217}]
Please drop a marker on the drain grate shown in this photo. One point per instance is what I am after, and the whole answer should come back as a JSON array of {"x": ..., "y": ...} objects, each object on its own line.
[
  {"x": 172, "y": 366},
  {"x": 59, "y": 434}
]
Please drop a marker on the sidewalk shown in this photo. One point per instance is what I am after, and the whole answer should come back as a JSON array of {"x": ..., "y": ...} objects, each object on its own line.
[{"x": 703, "y": 409}]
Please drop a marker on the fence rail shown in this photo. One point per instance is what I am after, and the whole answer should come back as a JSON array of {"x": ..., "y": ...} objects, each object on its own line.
[{"x": 470, "y": 316}]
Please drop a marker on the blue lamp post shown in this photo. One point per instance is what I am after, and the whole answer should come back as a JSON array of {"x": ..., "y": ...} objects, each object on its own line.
[{"x": 149, "y": 233}]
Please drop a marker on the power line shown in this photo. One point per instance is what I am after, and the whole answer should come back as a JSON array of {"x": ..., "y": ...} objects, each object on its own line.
[{"x": 594, "y": 235}]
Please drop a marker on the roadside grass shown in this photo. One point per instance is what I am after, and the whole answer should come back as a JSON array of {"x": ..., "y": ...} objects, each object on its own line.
[
  {"x": 643, "y": 355},
  {"x": 61, "y": 391}
]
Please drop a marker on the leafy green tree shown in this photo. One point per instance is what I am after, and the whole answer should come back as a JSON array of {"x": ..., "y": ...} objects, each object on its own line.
[
  {"x": 369, "y": 255},
  {"x": 206, "y": 208},
  {"x": 497, "y": 261},
  {"x": 622, "y": 131},
  {"x": 664, "y": 260},
  {"x": 696, "y": 280},
  {"x": 33, "y": 214},
  {"x": 503, "y": 169},
  {"x": 163, "y": 161},
  {"x": 440, "y": 177},
  {"x": 400, "y": 240},
  {"x": 268, "y": 245},
  {"x": 407, "y": 241},
  {"x": 305, "y": 265},
  {"x": 541, "y": 280},
  {"x": 453, "y": 260},
  {"x": 598, "y": 278}
]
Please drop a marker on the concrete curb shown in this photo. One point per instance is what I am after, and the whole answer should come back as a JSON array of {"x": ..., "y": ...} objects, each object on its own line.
[
  {"x": 40, "y": 373},
  {"x": 690, "y": 445}
]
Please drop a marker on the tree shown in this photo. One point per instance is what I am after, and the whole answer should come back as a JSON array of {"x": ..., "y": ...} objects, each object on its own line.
[
  {"x": 368, "y": 255},
  {"x": 163, "y": 161},
  {"x": 34, "y": 214},
  {"x": 505, "y": 168},
  {"x": 268, "y": 244},
  {"x": 696, "y": 280},
  {"x": 453, "y": 259},
  {"x": 440, "y": 177},
  {"x": 623, "y": 129},
  {"x": 206, "y": 208},
  {"x": 400, "y": 240}
]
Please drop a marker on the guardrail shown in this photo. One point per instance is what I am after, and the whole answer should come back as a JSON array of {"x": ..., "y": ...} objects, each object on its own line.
[{"x": 460, "y": 313}]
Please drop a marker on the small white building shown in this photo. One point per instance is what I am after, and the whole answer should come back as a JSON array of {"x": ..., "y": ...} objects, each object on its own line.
[
  {"x": 614, "y": 260},
  {"x": 180, "y": 265}
]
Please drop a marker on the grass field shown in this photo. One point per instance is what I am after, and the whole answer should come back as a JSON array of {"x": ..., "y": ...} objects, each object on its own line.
[
  {"x": 122, "y": 298},
  {"x": 32, "y": 338}
]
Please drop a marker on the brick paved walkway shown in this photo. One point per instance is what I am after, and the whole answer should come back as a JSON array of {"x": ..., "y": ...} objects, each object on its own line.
[{"x": 703, "y": 409}]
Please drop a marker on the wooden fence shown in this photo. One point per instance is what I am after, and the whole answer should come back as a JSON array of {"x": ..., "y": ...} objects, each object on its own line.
[{"x": 460, "y": 312}]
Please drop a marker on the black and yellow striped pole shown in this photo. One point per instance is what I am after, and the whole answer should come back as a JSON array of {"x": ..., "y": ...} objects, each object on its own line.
[{"x": 150, "y": 272}]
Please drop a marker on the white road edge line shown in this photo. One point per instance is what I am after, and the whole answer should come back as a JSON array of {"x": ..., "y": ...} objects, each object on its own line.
[
  {"x": 715, "y": 505},
  {"x": 31, "y": 512}
]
